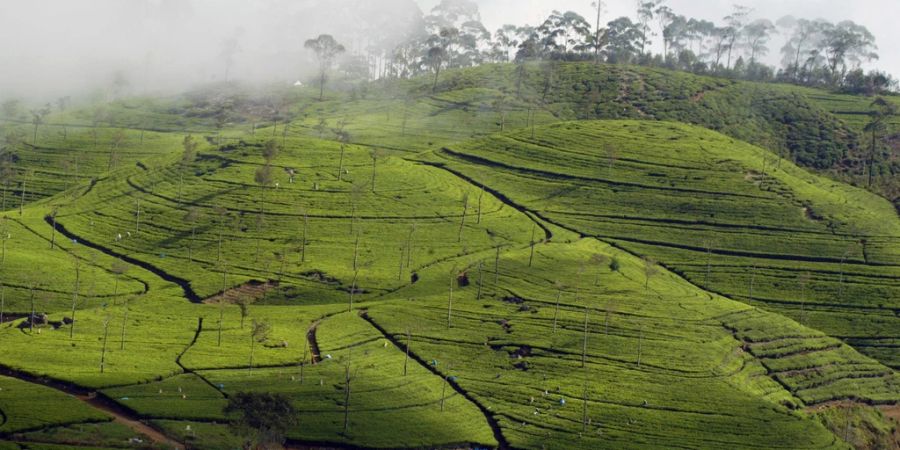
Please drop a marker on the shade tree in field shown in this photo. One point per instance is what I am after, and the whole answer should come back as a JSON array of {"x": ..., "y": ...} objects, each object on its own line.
[
  {"x": 343, "y": 138},
  {"x": 230, "y": 48},
  {"x": 118, "y": 138},
  {"x": 118, "y": 268},
  {"x": 243, "y": 304},
  {"x": 462, "y": 220},
  {"x": 326, "y": 50},
  {"x": 188, "y": 156},
  {"x": 376, "y": 154},
  {"x": 882, "y": 112},
  {"x": 192, "y": 217},
  {"x": 265, "y": 177},
  {"x": 5, "y": 236},
  {"x": 651, "y": 268},
  {"x": 261, "y": 418},
  {"x": 12, "y": 139},
  {"x": 76, "y": 266},
  {"x": 27, "y": 176},
  {"x": 37, "y": 119},
  {"x": 259, "y": 333}
]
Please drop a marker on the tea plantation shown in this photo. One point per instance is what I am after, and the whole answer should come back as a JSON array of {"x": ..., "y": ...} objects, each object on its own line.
[{"x": 483, "y": 266}]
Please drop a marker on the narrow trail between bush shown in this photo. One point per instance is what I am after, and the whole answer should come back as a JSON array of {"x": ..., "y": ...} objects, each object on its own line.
[
  {"x": 488, "y": 414},
  {"x": 193, "y": 372},
  {"x": 181, "y": 282},
  {"x": 98, "y": 401},
  {"x": 315, "y": 354},
  {"x": 548, "y": 235}
]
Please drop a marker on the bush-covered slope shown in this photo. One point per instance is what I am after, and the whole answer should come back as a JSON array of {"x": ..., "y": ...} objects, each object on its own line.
[{"x": 726, "y": 215}]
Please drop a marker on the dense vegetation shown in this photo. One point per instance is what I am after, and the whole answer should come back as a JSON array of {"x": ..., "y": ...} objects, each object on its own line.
[{"x": 485, "y": 264}]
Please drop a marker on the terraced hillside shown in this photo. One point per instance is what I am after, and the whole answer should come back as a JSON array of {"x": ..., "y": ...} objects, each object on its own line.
[
  {"x": 725, "y": 215},
  {"x": 410, "y": 275}
]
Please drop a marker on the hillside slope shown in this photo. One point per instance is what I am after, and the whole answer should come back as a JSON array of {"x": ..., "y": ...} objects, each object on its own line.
[{"x": 726, "y": 215}]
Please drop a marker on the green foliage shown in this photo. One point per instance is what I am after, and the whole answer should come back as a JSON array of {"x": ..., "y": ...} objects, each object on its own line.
[{"x": 263, "y": 417}]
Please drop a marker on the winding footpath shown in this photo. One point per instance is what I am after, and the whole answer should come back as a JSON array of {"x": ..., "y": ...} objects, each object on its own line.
[
  {"x": 181, "y": 282},
  {"x": 488, "y": 414},
  {"x": 99, "y": 402}
]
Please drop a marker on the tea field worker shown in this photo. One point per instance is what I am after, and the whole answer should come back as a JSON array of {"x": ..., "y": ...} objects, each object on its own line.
[
  {"x": 160, "y": 391},
  {"x": 128, "y": 233},
  {"x": 562, "y": 402},
  {"x": 277, "y": 185}
]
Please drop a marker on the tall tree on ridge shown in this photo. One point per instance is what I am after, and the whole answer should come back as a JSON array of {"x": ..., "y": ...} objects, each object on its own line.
[{"x": 326, "y": 49}]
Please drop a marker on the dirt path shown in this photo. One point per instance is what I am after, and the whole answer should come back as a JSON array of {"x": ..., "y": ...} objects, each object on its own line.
[
  {"x": 99, "y": 402},
  {"x": 181, "y": 282},
  {"x": 129, "y": 421},
  {"x": 489, "y": 415},
  {"x": 315, "y": 355},
  {"x": 252, "y": 290}
]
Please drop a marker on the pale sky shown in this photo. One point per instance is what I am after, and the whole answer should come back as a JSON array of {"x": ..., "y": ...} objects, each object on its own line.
[
  {"x": 50, "y": 48},
  {"x": 880, "y": 16}
]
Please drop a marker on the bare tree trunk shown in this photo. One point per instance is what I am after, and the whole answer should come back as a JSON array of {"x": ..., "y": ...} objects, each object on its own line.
[
  {"x": 347, "y": 397},
  {"x": 53, "y": 231},
  {"x": 252, "y": 345},
  {"x": 480, "y": 195},
  {"x": 304, "y": 358},
  {"x": 531, "y": 256},
  {"x": 406, "y": 360},
  {"x": 556, "y": 311},
  {"x": 585, "y": 341},
  {"x": 74, "y": 299},
  {"x": 221, "y": 316},
  {"x": 124, "y": 323},
  {"x": 31, "y": 319},
  {"x": 137, "y": 215},
  {"x": 409, "y": 246},
  {"x": 480, "y": 279},
  {"x": 103, "y": 350},
  {"x": 584, "y": 403},
  {"x": 356, "y": 254},
  {"x": 24, "y": 190},
  {"x": 752, "y": 281},
  {"x": 462, "y": 222},
  {"x": 450, "y": 302},
  {"x": 303, "y": 243},
  {"x": 374, "y": 171},
  {"x": 444, "y": 391},
  {"x": 341, "y": 164},
  {"x": 353, "y": 289},
  {"x": 497, "y": 267},
  {"x": 640, "y": 347}
]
